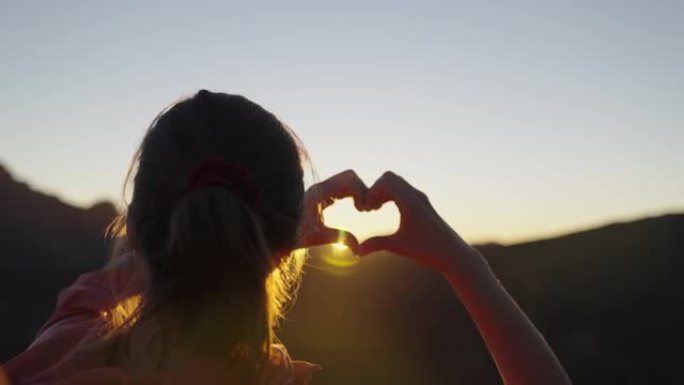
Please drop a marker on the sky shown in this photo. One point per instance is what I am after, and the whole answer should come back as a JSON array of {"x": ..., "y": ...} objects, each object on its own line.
[{"x": 518, "y": 119}]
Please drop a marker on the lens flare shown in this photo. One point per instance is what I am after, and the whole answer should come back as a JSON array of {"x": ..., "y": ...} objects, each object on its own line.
[
  {"x": 122, "y": 312},
  {"x": 339, "y": 255}
]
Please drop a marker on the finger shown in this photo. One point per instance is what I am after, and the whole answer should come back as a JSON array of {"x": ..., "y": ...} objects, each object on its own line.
[
  {"x": 318, "y": 234},
  {"x": 385, "y": 189},
  {"x": 382, "y": 243},
  {"x": 327, "y": 235},
  {"x": 349, "y": 240},
  {"x": 343, "y": 185},
  {"x": 392, "y": 187}
]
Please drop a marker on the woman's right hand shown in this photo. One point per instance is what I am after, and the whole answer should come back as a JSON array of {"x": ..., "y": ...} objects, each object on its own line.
[
  {"x": 313, "y": 231},
  {"x": 422, "y": 235}
]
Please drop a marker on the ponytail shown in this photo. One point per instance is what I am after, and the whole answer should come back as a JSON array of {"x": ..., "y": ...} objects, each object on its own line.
[{"x": 213, "y": 270}]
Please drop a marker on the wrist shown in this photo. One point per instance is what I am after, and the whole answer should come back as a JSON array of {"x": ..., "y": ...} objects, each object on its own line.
[{"x": 465, "y": 266}]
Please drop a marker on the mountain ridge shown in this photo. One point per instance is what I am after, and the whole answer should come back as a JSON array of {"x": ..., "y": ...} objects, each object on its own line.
[{"x": 603, "y": 297}]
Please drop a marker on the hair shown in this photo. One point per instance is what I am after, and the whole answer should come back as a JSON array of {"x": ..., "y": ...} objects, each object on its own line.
[{"x": 225, "y": 267}]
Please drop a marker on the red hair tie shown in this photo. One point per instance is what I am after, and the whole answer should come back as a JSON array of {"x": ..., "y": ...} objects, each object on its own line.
[{"x": 230, "y": 175}]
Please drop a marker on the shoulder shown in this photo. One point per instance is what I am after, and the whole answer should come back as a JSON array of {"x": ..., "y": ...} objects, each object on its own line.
[
  {"x": 95, "y": 293},
  {"x": 80, "y": 317}
]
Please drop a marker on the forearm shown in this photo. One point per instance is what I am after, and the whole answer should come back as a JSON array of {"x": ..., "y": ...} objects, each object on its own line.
[{"x": 518, "y": 349}]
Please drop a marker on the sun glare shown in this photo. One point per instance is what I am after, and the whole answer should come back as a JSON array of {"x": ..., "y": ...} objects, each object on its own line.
[
  {"x": 340, "y": 256},
  {"x": 123, "y": 310}
]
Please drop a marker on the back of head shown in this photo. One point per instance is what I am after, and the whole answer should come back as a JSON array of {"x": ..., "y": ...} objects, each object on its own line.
[{"x": 210, "y": 251}]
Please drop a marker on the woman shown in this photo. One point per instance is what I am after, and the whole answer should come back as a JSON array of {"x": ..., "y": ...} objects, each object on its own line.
[{"x": 206, "y": 262}]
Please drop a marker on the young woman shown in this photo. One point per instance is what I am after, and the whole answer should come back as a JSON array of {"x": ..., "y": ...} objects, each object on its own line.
[{"x": 206, "y": 262}]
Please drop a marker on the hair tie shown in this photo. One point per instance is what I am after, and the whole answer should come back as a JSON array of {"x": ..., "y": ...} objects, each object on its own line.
[{"x": 229, "y": 175}]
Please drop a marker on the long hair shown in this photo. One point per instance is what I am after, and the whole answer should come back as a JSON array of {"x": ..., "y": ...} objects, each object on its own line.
[{"x": 222, "y": 265}]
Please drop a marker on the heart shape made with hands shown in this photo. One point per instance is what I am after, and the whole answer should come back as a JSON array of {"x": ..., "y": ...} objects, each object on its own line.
[
  {"x": 422, "y": 234},
  {"x": 317, "y": 231},
  {"x": 343, "y": 215}
]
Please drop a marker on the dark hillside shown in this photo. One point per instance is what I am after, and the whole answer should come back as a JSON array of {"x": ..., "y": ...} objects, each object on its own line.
[
  {"x": 44, "y": 245},
  {"x": 606, "y": 299}
]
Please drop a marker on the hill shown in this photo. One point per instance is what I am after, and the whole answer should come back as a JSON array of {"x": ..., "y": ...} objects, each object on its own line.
[
  {"x": 606, "y": 299},
  {"x": 44, "y": 245}
]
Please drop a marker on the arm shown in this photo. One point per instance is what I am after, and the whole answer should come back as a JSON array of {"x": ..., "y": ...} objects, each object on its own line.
[{"x": 518, "y": 349}]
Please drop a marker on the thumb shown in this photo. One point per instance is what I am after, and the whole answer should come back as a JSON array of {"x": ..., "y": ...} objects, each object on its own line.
[
  {"x": 349, "y": 240},
  {"x": 326, "y": 235},
  {"x": 371, "y": 245},
  {"x": 329, "y": 235}
]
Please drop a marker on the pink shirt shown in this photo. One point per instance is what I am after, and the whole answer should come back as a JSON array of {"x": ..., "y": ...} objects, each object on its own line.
[
  {"x": 81, "y": 318},
  {"x": 78, "y": 318}
]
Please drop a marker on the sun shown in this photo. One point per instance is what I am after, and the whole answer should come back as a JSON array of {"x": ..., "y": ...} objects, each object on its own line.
[{"x": 340, "y": 256}]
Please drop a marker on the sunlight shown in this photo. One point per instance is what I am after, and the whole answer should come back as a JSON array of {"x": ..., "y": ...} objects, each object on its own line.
[
  {"x": 340, "y": 255},
  {"x": 343, "y": 215},
  {"x": 122, "y": 312}
]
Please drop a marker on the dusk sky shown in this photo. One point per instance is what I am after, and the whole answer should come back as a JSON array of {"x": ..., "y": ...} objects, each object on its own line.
[{"x": 519, "y": 119}]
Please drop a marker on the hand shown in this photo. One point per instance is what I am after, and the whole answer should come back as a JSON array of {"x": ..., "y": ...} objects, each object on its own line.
[
  {"x": 518, "y": 349},
  {"x": 422, "y": 235},
  {"x": 282, "y": 370},
  {"x": 321, "y": 195}
]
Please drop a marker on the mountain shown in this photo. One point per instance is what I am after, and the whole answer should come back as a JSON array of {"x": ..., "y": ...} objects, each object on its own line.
[
  {"x": 39, "y": 223},
  {"x": 44, "y": 245},
  {"x": 606, "y": 299}
]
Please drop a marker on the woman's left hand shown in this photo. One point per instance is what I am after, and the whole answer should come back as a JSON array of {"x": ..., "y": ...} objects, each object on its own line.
[
  {"x": 282, "y": 370},
  {"x": 313, "y": 231}
]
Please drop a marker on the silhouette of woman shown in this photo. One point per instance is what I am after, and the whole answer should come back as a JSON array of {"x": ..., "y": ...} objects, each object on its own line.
[{"x": 205, "y": 261}]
